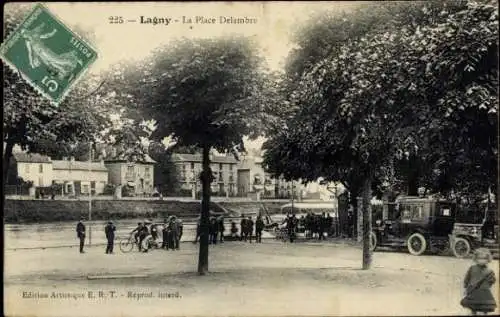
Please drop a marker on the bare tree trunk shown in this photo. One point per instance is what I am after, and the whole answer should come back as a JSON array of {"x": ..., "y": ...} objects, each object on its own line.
[
  {"x": 367, "y": 223},
  {"x": 205, "y": 212},
  {"x": 6, "y": 164}
]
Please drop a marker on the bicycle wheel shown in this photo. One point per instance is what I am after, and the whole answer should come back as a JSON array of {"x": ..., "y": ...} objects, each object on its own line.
[{"x": 126, "y": 245}]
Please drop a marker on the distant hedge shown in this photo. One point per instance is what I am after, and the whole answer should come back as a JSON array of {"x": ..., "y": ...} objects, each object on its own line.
[{"x": 29, "y": 211}]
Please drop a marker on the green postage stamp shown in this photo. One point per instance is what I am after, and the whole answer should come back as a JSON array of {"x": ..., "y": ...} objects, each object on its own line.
[{"x": 47, "y": 54}]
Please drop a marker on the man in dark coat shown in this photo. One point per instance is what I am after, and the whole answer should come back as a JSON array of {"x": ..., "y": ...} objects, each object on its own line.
[
  {"x": 243, "y": 228},
  {"x": 329, "y": 225},
  {"x": 249, "y": 229},
  {"x": 309, "y": 225},
  {"x": 221, "y": 228},
  {"x": 109, "y": 230},
  {"x": 212, "y": 234},
  {"x": 259, "y": 226},
  {"x": 198, "y": 230},
  {"x": 164, "y": 244},
  {"x": 80, "y": 233},
  {"x": 291, "y": 226},
  {"x": 180, "y": 228},
  {"x": 174, "y": 233}
]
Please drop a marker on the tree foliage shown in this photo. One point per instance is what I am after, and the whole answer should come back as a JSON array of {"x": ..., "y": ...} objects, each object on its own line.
[{"x": 397, "y": 91}]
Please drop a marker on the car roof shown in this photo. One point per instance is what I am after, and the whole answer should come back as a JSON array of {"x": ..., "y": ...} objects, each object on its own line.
[{"x": 310, "y": 205}]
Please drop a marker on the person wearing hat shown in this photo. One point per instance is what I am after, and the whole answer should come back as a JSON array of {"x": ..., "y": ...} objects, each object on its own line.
[
  {"x": 180, "y": 227},
  {"x": 137, "y": 231},
  {"x": 164, "y": 244},
  {"x": 243, "y": 228},
  {"x": 109, "y": 230},
  {"x": 173, "y": 238},
  {"x": 477, "y": 284},
  {"x": 221, "y": 228},
  {"x": 198, "y": 229},
  {"x": 80, "y": 233}
]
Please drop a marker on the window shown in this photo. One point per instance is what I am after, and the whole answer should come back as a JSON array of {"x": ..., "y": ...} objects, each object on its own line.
[
  {"x": 220, "y": 166},
  {"x": 27, "y": 168},
  {"x": 147, "y": 173},
  {"x": 40, "y": 182},
  {"x": 130, "y": 171},
  {"x": 85, "y": 189},
  {"x": 41, "y": 168},
  {"x": 192, "y": 165}
]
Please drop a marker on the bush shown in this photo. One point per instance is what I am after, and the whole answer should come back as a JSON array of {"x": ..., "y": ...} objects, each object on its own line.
[
  {"x": 127, "y": 191},
  {"x": 108, "y": 190}
]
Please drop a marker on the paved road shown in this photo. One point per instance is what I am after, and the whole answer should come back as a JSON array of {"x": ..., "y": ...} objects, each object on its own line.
[{"x": 246, "y": 279}]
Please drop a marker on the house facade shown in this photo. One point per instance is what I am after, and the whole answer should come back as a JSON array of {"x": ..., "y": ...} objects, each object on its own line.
[
  {"x": 189, "y": 167},
  {"x": 75, "y": 176},
  {"x": 79, "y": 177},
  {"x": 139, "y": 176},
  {"x": 254, "y": 181},
  {"x": 34, "y": 168}
]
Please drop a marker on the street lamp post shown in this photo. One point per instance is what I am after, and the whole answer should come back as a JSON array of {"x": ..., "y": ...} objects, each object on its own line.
[{"x": 90, "y": 193}]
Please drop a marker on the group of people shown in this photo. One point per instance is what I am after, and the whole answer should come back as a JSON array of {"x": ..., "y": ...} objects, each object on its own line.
[
  {"x": 172, "y": 229},
  {"x": 216, "y": 229},
  {"x": 109, "y": 231},
  {"x": 247, "y": 229},
  {"x": 316, "y": 226}
]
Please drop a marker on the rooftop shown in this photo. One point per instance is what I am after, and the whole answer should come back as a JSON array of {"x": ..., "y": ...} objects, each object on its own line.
[
  {"x": 30, "y": 157},
  {"x": 78, "y": 165},
  {"x": 198, "y": 159},
  {"x": 123, "y": 158}
]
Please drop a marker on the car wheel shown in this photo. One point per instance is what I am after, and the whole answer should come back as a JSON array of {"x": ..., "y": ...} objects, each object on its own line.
[
  {"x": 461, "y": 247},
  {"x": 373, "y": 241},
  {"x": 416, "y": 244}
]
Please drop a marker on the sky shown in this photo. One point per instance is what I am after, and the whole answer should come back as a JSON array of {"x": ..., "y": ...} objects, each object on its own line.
[{"x": 276, "y": 22}]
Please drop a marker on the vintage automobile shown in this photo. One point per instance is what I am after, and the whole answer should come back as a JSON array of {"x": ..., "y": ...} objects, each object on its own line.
[
  {"x": 418, "y": 224},
  {"x": 466, "y": 237}
]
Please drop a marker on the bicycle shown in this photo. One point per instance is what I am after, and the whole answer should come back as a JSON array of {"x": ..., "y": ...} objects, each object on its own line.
[{"x": 127, "y": 244}]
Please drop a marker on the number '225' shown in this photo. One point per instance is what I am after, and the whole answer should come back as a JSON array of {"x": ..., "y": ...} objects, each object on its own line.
[{"x": 115, "y": 20}]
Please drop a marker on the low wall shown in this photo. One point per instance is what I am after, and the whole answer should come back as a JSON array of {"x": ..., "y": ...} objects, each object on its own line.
[{"x": 28, "y": 211}]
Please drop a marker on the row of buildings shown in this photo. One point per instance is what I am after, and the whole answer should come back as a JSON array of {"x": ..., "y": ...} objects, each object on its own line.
[
  {"x": 244, "y": 178},
  {"x": 82, "y": 177}
]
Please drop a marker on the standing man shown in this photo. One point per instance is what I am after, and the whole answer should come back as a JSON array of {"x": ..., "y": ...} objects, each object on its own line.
[
  {"x": 212, "y": 232},
  {"x": 174, "y": 234},
  {"x": 180, "y": 227},
  {"x": 243, "y": 228},
  {"x": 259, "y": 226},
  {"x": 221, "y": 229},
  {"x": 198, "y": 230},
  {"x": 110, "y": 236},
  {"x": 290, "y": 227},
  {"x": 250, "y": 228},
  {"x": 164, "y": 244},
  {"x": 80, "y": 233}
]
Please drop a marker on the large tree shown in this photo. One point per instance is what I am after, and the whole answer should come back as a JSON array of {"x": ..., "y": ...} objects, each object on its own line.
[
  {"x": 390, "y": 94},
  {"x": 205, "y": 93}
]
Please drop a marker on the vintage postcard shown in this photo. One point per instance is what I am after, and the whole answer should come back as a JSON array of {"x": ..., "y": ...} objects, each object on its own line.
[{"x": 329, "y": 158}]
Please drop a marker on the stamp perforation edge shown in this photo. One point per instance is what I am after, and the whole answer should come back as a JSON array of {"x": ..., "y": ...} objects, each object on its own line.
[{"x": 12, "y": 67}]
